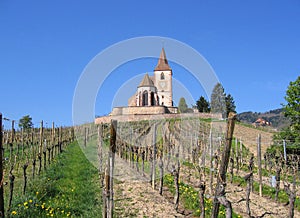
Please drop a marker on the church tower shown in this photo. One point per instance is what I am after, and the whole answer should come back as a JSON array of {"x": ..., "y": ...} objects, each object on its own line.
[{"x": 163, "y": 80}]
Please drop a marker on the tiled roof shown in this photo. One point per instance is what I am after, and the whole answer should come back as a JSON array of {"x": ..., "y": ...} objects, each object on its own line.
[
  {"x": 146, "y": 82},
  {"x": 162, "y": 62}
]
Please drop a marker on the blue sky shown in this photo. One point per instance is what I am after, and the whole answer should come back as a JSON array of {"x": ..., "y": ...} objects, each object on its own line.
[{"x": 253, "y": 46}]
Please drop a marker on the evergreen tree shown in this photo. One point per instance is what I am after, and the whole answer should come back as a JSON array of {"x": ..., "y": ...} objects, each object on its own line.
[
  {"x": 182, "y": 107},
  {"x": 230, "y": 104},
  {"x": 203, "y": 105},
  {"x": 218, "y": 104},
  {"x": 25, "y": 122}
]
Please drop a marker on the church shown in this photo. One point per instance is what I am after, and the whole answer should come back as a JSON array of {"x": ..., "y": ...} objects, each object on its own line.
[{"x": 154, "y": 94}]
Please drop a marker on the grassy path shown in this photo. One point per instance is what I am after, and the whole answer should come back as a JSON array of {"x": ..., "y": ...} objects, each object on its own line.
[{"x": 68, "y": 188}]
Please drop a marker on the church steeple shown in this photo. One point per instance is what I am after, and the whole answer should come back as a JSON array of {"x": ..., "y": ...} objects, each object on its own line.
[{"x": 162, "y": 62}]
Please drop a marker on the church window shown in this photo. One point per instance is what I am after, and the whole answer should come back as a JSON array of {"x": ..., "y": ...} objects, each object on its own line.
[
  {"x": 162, "y": 96},
  {"x": 145, "y": 98},
  {"x": 162, "y": 76},
  {"x": 152, "y": 99}
]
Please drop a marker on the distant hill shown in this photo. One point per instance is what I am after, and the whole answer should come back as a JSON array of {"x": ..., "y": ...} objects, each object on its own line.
[{"x": 276, "y": 117}]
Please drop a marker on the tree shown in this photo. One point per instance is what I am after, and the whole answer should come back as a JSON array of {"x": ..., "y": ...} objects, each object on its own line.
[
  {"x": 217, "y": 100},
  {"x": 26, "y": 122},
  {"x": 292, "y": 109},
  {"x": 182, "y": 107},
  {"x": 203, "y": 105},
  {"x": 230, "y": 104}
]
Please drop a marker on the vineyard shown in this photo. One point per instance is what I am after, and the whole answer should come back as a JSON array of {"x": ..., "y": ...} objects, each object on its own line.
[{"x": 189, "y": 167}]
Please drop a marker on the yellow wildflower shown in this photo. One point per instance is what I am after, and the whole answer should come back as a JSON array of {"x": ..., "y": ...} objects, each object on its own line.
[
  {"x": 14, "y": 212},
  {"x": 25, "y": 203},
  {"x": 30, "y": 201}
]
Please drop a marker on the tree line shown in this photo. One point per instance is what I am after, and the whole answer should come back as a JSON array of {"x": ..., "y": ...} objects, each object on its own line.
[{"x": 220, "y": 102}]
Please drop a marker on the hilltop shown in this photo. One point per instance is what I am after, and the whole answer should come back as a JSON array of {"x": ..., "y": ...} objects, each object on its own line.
[{"x": 275, "y": 117}]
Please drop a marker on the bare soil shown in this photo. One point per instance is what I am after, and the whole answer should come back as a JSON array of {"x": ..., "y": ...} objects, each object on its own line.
[{"x": 249, "y": 136}]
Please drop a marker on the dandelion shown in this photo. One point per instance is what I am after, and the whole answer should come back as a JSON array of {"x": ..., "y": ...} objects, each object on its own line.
[
  {"x": 37, "y": 193},
  {"x": 25, "y": 203},
  {"x": 14, "y": 212},
  {"x": 30, "y": 201}
]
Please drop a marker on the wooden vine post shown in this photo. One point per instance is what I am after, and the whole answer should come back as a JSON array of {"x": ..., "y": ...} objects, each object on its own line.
[
  {"x": 211, "y": 162},
  {"x": 22, "y": 141},
  {"x": 161, "y": 171},
  {"x": 106, "y": 196},
  {"x": 25, "y": 177},
  {"x": 1, "y": 171},
  {"x": 112, "y": 151},
  {"x": 52, "y": 140},
  {"x": 259, "y": 163},
  {"x": 100, "y": 155},
  {"x": 60, "y": 139},
  {"x": 154, "y": 157},
  {"x": 220, "y": 197},
  {"x": 40, "y": 148},
  {"x": 237, "y": 156},
  {"x": 12, "y": 139},
  {"x": 85, "y": 136},
  {"x": 33, "y": 153}
]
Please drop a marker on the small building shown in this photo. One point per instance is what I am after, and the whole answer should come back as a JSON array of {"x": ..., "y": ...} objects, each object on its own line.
[{"x": 261, "y": 122}]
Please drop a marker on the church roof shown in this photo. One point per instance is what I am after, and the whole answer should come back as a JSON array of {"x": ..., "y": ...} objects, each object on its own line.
[
  {"x": 146, "y": 82},
  {"x": 162, "y": 61}
]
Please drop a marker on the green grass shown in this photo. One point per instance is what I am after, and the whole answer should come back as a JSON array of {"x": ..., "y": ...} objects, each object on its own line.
[{"x": 69, "y": 188}]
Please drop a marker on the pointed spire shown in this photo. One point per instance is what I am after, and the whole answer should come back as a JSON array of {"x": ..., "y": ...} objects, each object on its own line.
[
  {"x": 146, "y": 82},
  {"x": 162, "y": 62}
]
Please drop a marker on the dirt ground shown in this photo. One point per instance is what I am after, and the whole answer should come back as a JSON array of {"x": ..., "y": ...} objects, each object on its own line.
[
  {"x": 249, "y": 135},
  {"x": 136, "y": 198}
]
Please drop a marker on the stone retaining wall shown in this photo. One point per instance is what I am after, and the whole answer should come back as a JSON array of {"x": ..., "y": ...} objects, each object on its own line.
[{"x": 138, "y": 117}]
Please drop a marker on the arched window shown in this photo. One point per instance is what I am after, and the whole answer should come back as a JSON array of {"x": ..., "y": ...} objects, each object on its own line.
[
  {"x": 145, "y": 98},
  {"x": 162, "y": 76},
  {"x": 152, "y": 99}
]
